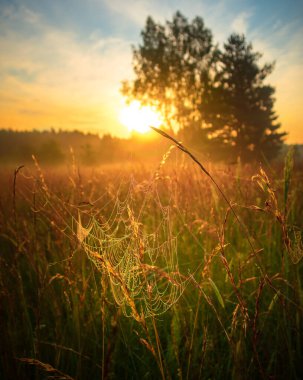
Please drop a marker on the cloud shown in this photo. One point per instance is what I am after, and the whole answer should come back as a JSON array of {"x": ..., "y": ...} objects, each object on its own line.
[
  {"x": 20, "y": 15},
  {"x": 139, "y": 10},
  {"x": 22, "y": 74},
  {"x": 240, "y": 23},
  {"x": 59, "y": 79}
]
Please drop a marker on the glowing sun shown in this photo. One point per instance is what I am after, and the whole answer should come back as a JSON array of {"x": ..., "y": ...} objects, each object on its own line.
[{"x": 139, "y": 118}]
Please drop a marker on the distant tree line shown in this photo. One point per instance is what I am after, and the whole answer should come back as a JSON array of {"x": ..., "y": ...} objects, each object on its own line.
[
  {"x": 214, "y": 99},
  {"x": 60, "y": 147}
]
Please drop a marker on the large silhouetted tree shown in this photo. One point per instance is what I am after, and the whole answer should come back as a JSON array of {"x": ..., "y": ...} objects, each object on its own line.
[
  {"x": 172, "y": 68},
  {"x": 217, "y": 99},
  {"x": 241, "y": 107}
]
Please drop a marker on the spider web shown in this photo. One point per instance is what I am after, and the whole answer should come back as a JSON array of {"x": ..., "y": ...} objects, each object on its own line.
[
  {"x": 142, "y": 268},
  {"x": 295, "y": 245}
]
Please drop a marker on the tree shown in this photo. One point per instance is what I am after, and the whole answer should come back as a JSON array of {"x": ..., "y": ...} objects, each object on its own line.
[
  {"x": 241, "y": 105},
  {"x": 217, "y": 99},
  {"x": 172, "y": 68}
]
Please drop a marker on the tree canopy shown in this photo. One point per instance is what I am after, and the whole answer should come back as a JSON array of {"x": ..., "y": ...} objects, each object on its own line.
[
  {"x": 215, "y": 97},
  {"x": 172, "y": 67}
]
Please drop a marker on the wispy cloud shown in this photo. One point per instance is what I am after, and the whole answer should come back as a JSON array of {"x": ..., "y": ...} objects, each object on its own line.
[
  {"x": 240, "y": 23},
  {"x": 138, "y": 10},
  {"x": 14, "y": 12},
  {"x": 56, "y": 71}
]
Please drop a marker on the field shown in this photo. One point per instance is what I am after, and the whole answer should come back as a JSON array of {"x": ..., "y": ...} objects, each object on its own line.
[{"x": 148, "y": 272}]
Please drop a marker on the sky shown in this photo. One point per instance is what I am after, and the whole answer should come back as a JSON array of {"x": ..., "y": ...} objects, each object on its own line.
[{"x": 62, "y": 61}]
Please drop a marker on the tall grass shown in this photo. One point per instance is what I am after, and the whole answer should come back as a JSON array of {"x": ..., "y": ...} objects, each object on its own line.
[{"x": 239, "y": 317}]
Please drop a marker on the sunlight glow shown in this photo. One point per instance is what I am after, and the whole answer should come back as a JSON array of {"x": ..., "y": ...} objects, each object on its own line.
[{"x": 139, "y": 118}]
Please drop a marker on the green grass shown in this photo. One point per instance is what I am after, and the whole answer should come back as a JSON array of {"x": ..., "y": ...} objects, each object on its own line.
[{"x": 239, "y": 316}]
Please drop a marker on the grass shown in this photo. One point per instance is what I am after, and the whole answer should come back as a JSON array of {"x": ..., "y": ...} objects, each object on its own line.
[{"x": 240, "y": 313}]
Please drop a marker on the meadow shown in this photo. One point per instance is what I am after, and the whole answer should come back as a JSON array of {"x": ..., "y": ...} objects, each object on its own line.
[{"x": 138, "y": 271}]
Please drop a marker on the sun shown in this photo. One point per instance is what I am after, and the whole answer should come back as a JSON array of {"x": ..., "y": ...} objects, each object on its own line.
[{"x": 139, "y": 118}]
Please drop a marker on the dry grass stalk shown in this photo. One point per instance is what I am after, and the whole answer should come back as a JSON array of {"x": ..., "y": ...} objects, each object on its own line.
[{"x": 52, "y": 372}]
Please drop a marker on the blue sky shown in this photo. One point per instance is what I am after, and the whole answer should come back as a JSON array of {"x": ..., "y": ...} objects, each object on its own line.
[{"x": 62, "y": 61}]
